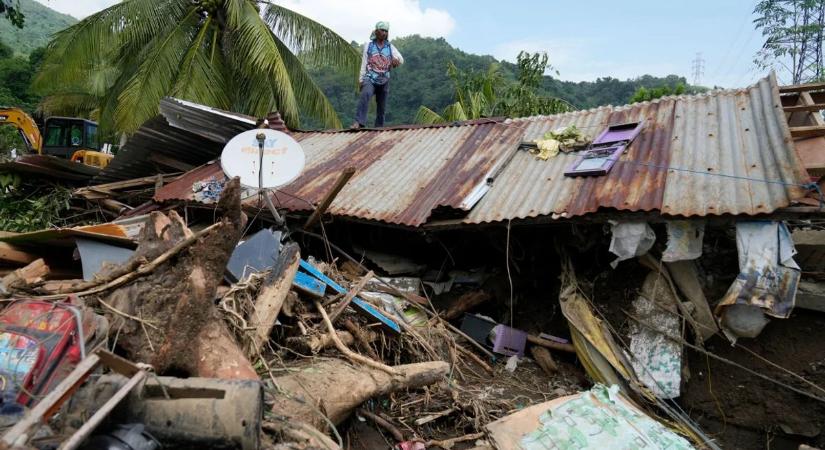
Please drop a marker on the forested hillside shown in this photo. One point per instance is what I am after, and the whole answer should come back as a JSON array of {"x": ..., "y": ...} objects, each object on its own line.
[
  {"x": 41, "y": 23},
  {"x": 423, "y": 80}
]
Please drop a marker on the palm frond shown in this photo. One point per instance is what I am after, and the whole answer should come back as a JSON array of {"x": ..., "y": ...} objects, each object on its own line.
[
  {"x": 307, "y": 37},
  {"x": 160, "y": 62},
  {"x": 426, "y": 116},
  {"x": 77, "y": 49},
  {"x": 311, "y": 99},
  {"x": 454, "y": 113},
  {"x": 254, "y": 51},
  {"x": 201, "y": 77}
]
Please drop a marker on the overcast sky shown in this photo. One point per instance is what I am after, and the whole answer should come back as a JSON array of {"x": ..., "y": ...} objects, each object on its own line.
[{"x": 585, "y": 39}]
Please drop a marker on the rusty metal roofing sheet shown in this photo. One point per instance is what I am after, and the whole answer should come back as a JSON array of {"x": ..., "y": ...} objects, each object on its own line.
[
  {"x": 401, "y": 176},
  {"x": 724, "y": 152},
  {"x": 186, "y": 132}
]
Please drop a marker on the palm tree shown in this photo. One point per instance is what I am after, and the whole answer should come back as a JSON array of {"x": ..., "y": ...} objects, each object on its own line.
[
  {"x": 246, "y": 56},
  {"x": 490, "y": 94},
  {"x": 475, "y": 95}
]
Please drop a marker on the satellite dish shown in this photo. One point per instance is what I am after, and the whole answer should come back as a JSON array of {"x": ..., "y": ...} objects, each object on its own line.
[{"x": 283, "y": 158}]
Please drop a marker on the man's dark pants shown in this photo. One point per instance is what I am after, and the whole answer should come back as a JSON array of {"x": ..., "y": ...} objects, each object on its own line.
[{"x": 368, "y": 89}]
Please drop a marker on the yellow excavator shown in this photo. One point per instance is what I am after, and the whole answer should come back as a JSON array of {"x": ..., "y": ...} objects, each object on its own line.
[{"x": 63, "y": 137}]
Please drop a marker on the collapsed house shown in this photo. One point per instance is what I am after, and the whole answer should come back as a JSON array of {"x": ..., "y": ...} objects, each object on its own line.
[{"x": 485, "y": 284}]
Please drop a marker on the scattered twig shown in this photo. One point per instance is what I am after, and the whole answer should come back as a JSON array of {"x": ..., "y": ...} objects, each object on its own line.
[
  {"x": 448, "y": 444},
  {"x": 143, "y": 269},
  {"x": 128, "y": 316},
  {"x": 346, "y": 351},
  {"x": 351, "y": 295},
  {"x": 361, "y": 337},
  {"x": 381, "y": 422},
  {"x": 475, "y": 358},
  {"x": 430, "y": 417}
]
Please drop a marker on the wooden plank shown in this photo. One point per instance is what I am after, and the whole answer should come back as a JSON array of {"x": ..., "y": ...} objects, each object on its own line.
[
  {"x": 126, "y": 184},
  {"x": 807, "y": 131},
  {"x": 361, "y": 306},
  {"x": 15, "y": 255},
  {"x": 806, "y": 99},
  {"x": 535, "y": 340},
  {"x": 801, "y": 87},
  {"x": 350, "y": 295},
  {"x": 273, "y": 293},
  {"x": 686, "y": 278},
  {"x": 120, "y": 365},
  {"x": 32, "y": 273},
  {"x": 804, "y": 108},
  {"x": 309, "y": 285},
  {"x": 80, "y": 435},
  {"x": 336, "y": 188},
  {"x": 41, "y": 412}
]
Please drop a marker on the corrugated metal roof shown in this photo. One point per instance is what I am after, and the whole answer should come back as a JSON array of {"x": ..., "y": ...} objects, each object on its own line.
[
  {"x": 699, "y": 155},
  {"x": 186, "y": 132},
  {"x": 724, "y": 152},
  {"x": 401, "y": 175}
]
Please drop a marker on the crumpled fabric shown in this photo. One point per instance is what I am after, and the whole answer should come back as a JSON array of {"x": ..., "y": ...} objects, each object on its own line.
[
  {"x": 768, "y": 276},
  {"x": 684, "y": 240},
  {"x": 630, "y": 239}
]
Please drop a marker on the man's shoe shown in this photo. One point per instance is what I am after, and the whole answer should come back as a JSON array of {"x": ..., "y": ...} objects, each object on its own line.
[{"x": 355, "y": 126}]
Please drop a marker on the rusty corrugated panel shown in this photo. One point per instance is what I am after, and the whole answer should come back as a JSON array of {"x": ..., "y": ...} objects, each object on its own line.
[
  {"x": 181, "y": 189},
  {"x": 187, "y": 132},
  {"x": 403, "y": 175},
  {"x": 726, "y": 152}
]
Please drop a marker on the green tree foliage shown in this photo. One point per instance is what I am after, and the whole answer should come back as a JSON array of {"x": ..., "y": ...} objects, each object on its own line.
[
  {"x": 11, "y": 9},
  {"x": 31, "y": 205},
  {"x": 792, "y": 30},
  {"x": 424, "y": 80},
  {"x": 489, "y": 94},
  {"x": 240, "y": 55},
  {"x": 15, "y": 90},
  {"x": 41, "y": 23},
  {"x": 644, "y": 94}
]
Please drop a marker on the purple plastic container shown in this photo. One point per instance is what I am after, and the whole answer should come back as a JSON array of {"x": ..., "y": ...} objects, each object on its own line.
[{"x": 509, "y": 341}]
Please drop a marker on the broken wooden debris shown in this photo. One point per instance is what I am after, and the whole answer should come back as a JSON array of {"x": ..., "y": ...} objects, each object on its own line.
[
  {"x": 24, "y": 277},
  {"x": 272, "y": 295},
  {"x": 545, "y": 360},
  {"x": 23, "y": 430},
  {"x": 330, "y": 196},
  {"x": 360, "y": 305},
  {"x": 309, "y": 285},
  {"x": 214, "y": 413}
]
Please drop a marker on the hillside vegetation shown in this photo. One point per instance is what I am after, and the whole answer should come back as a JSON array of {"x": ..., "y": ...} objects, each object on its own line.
[
  {"x": 423, "y": 80},
  {"x": 41, "y": 23}
]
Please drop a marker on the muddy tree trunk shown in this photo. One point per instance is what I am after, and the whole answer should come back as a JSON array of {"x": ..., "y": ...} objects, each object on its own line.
[
  {"x": 187, "y": 334},
  {"x": 337, "y": 387}
]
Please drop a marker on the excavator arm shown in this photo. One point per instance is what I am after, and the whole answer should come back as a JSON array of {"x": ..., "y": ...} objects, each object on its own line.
[{"x": 24, "y": 123}]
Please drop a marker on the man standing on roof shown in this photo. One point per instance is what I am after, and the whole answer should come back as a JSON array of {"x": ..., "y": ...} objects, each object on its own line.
[{"x": 378, "y": 59}]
